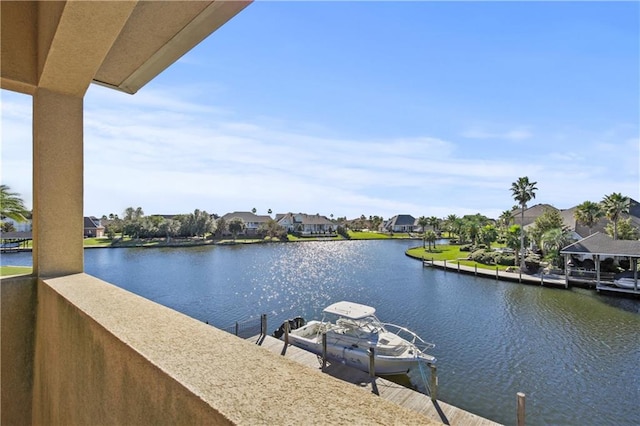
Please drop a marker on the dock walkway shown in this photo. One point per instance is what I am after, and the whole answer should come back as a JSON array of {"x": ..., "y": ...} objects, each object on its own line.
[
  {"x": 538, "y": 279},
  {"x": 408, "y": 398}
]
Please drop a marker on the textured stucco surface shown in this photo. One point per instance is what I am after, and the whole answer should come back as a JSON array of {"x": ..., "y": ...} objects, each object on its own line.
[
  {"x": 57, "y": 183},
  {"x": 17, "y": 320},
  {"x": 105, "y": 355}
]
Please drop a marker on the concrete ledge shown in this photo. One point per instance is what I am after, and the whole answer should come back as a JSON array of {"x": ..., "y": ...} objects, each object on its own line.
[
  {"x": 18, "y": 317},
  {"x": 104, "y": 355}
]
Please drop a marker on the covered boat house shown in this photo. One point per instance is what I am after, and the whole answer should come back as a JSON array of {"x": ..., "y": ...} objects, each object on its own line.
[{"x": 599, "y": 247}]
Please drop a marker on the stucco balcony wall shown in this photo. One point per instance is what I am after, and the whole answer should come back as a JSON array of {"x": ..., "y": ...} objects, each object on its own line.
[
  {"x": 18, "y": 303},
  {"x": 102, "y": 355}
]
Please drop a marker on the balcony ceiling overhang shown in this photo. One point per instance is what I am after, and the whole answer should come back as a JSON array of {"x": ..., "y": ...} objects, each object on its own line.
[{"x": 66, "y": 45}]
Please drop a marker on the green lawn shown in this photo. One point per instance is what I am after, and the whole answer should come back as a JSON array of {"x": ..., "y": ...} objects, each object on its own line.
[
  {"x": 448, "y": 253},
  {"x": 360, "y": 235},
  {"x": 15, "y": 270},
  {"x": 102, "y": 242}
]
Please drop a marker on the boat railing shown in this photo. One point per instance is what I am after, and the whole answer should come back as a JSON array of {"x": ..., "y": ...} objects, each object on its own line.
[{"x": 404, "y": 332}]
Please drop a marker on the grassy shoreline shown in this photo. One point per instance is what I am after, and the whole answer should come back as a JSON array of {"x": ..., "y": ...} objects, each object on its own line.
[{"x": 449, "y": 253}]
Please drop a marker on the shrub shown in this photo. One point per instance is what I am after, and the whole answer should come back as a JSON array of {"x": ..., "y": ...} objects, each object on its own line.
[
  {"x": 504, "y": 259},
  {"x": 343, "y": 231},
  {"x": 482, "y": 256},
  {"x": 466, "y": 247}
]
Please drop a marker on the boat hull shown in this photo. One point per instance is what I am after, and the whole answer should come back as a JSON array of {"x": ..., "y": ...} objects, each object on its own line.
[
  {"x": 627, "y": 283},
  {"x": 352, "y": 354}
]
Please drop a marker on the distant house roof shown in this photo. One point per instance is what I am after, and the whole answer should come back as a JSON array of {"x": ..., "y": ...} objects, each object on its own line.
[
  {"x": 91, "y": 222},
  {"x": 530, "y": 214},
  {"x": 16, "y": 235},
  {"x": 603, "y": 244},
  {"x": 402, "y": 220},
  {"x": 165, "y": 216},
  {"x": 304, "y": 218},
  {"x": 247, "y": 217},
  {"x": 634, "y": 208},
  {"x": 569, "y": 220}
]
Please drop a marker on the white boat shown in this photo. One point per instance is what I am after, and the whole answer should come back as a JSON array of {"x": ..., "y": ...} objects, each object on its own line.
[
  {"x": 627, "y": 283},
  {"x": 355, "y": 330}
]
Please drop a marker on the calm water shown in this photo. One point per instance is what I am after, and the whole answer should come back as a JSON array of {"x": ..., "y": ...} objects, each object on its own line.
[{"x": 574, "y": 353}]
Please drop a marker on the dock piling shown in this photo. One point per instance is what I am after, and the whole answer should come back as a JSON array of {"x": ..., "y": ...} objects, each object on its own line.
[
  {"x": 324, "y": 351},
  {"x": 372, "y": 363},
  {"x": 263, "y": 324},
  {"x": 521, "y": 401},
  {"x": 434, "y": 382},
  {"x": 286, "y": 333}
]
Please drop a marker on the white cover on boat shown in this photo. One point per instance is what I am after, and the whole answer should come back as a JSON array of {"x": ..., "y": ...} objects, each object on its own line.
[{"x": 350, "y": 310}]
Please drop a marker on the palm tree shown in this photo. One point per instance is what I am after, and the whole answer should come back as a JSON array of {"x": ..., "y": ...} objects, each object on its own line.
[
  {"x": 504, "y": 221},
  {"x": 512, "y": 239},
  {"x": 488, "y": 234},
  {"x": 588, "y": 214},
  {"x": 552, "y": 242},
  {"x": 434, "y": 222},
  {"x": 11, "y": 205},
  {"x": 451, "y": 223},
  {"x": 236, "y": 225},
  {"x": 423, "y": 221},
  {"x": 471, "y": 229},
  {"x": 523, "y": 191},
  {"x": 614, "y": 205},
  {"x": 431, "y": 237}
]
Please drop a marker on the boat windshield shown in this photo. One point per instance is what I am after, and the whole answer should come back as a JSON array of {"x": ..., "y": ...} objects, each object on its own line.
[{"x": 368, "y": 324}]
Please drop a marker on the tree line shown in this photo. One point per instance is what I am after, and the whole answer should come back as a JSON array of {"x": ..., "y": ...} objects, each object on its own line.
[
  {"x": 198, "y": 224},
  {"x": 547, "y": 235}
]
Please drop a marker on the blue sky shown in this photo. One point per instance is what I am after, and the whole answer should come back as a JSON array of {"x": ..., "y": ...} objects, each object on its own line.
[{"x": 374, "y": 108}]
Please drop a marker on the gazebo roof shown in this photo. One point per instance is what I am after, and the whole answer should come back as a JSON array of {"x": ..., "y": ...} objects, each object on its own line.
[{"x": 602, "y": 244}]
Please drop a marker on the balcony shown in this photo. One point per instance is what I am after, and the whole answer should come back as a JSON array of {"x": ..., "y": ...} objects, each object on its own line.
[{"x": 78, "y": 350}]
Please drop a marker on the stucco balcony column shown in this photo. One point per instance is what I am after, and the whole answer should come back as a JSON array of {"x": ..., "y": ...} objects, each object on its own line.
[{"x": 57, "y": 183}]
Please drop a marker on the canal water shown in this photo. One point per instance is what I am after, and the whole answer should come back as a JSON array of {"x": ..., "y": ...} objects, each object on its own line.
[{"x": 574, "y": 353}]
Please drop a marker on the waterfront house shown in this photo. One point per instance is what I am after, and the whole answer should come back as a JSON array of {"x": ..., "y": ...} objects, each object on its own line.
[
  {"x": 400, "y": 223},
  {"x": 306, "y": 224},
  {"x": 530, "y": 214},
  {"x": 76, "y": 350},
  {"x": 92, "y": 227},
  {"x": 252, "y": 221},
  {"x": 577, "y": 229}
]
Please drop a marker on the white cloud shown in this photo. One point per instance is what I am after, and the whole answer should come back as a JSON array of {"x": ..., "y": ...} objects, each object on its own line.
[
  {"x": 170, "y": 153},
  {"x": 518, "y": 134}
]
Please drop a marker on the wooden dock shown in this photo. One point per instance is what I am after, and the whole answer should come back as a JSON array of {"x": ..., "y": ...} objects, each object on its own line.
[
  {"x": 408, "y": 398},
  {"x": 538, "y": 279}
]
